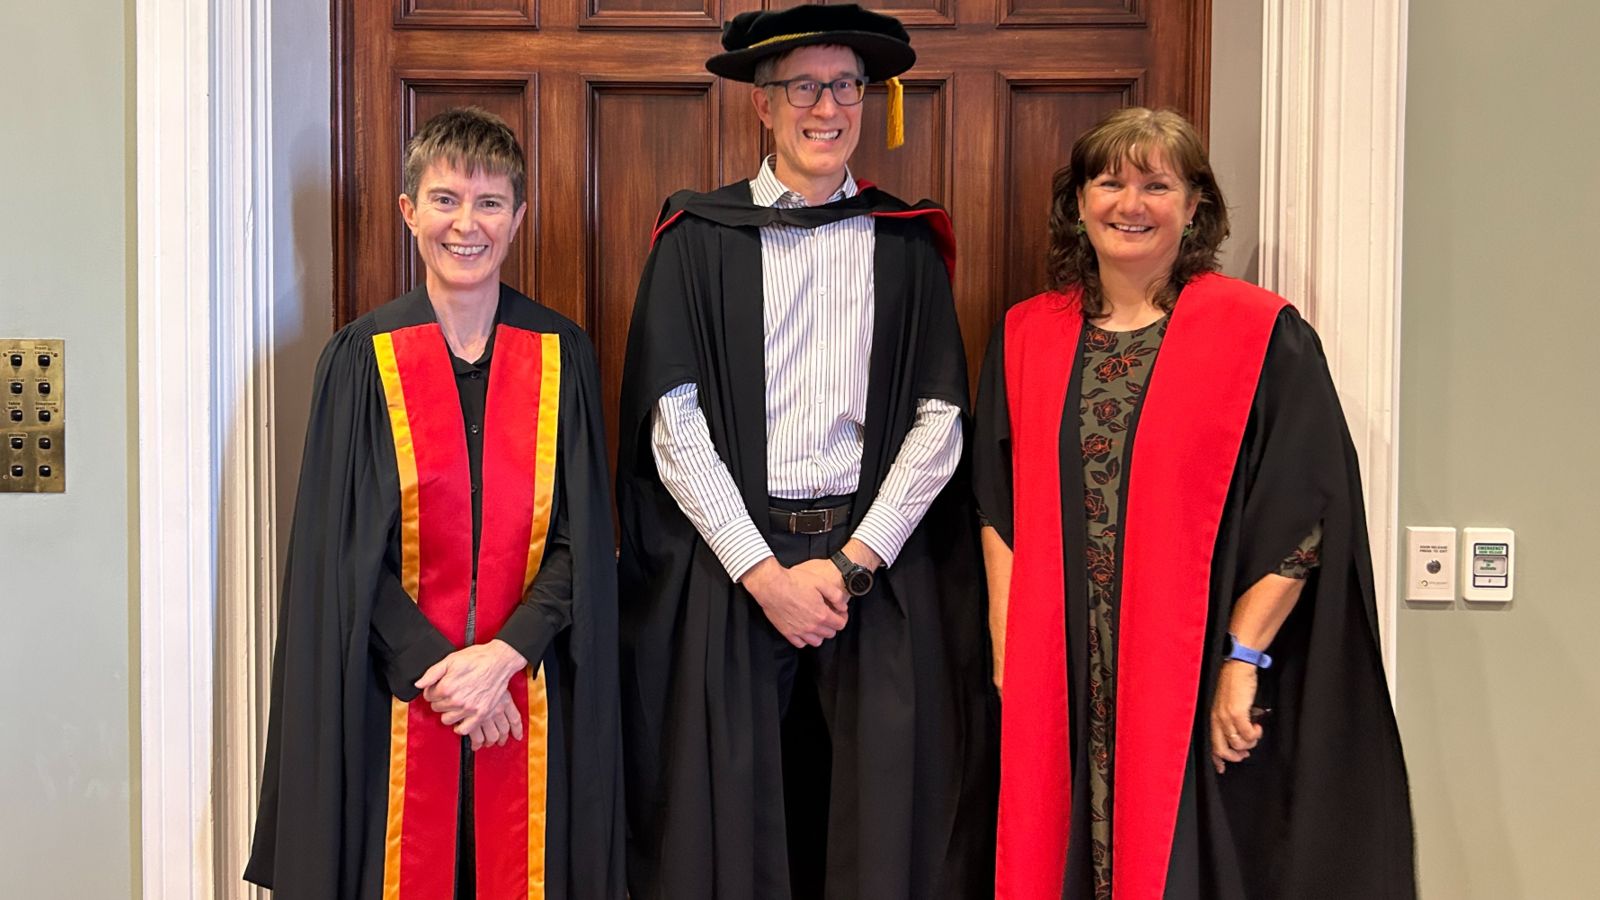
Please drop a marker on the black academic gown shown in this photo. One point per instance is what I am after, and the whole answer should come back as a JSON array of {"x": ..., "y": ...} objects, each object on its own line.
[
  {"x": 320, "y": 827},
  {"x": 912, "y": 770},
  {"x": 1321, "y": 808}
]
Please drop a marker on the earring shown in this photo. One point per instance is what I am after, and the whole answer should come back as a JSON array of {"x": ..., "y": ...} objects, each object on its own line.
[
  {"x": 1082, "y": 228},
  {"x": 1188, "y": 230}
]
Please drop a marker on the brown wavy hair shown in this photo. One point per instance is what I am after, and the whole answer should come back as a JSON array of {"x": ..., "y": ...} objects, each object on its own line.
[{"x": 1130, "y": 135}]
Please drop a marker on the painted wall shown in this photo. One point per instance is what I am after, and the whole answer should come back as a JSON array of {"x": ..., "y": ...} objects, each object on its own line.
[
  {"x": 302, "y": 230},
  {"x": 1236, "y": 128},
  {"x": 1500, "y": 425},
  {"x": 68, "y": 710}
]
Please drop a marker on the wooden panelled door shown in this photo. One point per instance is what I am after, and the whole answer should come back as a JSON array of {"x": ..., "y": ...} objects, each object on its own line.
[{"x": 616, "y": 111}]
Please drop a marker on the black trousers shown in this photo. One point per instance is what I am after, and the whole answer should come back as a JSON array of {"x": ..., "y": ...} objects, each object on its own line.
[{"x": 803, "y": 678}]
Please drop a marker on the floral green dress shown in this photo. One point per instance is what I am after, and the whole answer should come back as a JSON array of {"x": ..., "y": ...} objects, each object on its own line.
[{"x": 1116, "y": 367}]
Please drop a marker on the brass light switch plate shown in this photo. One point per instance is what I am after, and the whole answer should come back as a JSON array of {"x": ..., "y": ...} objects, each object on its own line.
[{"x": 33, "y": 425}]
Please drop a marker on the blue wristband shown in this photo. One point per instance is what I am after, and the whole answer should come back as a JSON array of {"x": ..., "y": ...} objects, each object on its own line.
[{"x": 1250, "y": 655}]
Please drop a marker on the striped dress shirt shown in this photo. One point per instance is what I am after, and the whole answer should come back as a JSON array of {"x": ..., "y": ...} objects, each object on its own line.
[{"x": 817, "y": 310}]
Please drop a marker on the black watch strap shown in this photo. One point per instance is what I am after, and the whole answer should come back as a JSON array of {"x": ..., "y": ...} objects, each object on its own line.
[{"x": 857, "y": 578}]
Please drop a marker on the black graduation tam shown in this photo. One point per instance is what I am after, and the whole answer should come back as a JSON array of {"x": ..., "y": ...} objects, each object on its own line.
[{"x": 882, "y": 42}]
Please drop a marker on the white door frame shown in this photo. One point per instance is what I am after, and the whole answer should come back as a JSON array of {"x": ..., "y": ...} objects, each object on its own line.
[
  {"x": 1332, "y": 139},
  {"x": 205, "y": 202},
  {"x": 1332, "y": 148},
  {"x": 178, "y": 509}
]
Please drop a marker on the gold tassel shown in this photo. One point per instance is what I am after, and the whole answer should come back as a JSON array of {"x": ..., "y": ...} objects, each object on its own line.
[{"x": 897, "y": 113}]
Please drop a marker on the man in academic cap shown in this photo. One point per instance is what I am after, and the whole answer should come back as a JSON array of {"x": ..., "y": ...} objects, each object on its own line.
[{"x": 806, "y": 692}]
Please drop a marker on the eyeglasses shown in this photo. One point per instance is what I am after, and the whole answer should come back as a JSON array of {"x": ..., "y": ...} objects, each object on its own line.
[{"x": 804, "y": 93}]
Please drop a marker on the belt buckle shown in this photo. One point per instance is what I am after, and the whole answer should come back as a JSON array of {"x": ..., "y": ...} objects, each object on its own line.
[{"x": 812, "y": 521}]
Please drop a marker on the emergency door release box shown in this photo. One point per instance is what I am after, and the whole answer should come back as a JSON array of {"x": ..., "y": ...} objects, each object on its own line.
[
  {"x": 1430, "y": 564},
  {"x": 1488, "y": 564}
]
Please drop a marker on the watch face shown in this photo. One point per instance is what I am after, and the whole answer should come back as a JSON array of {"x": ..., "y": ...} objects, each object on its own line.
[{"x": 859, "y": 582}]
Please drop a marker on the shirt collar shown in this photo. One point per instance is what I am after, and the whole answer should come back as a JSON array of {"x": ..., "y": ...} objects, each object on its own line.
[{"x": 767, "y": 190}]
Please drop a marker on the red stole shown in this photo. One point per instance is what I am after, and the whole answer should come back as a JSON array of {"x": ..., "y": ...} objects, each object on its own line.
[
  {"x": 1191, "y": 425},
  {"x": 519, "y": 450}
]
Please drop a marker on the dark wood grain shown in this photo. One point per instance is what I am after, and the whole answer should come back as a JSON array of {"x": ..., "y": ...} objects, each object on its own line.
[
  {"x": 702, "y": 14},
  {"x": 649, "y": 140},
  {"x": 1056, "y": 13},
  {"x": 914, "y": 13},
  {"x": 466, "y": 13}
]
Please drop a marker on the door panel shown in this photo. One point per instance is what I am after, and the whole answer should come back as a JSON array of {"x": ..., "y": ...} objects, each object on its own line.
[
  {"x": 649, "y": 140},
  {"x": 1049, "y": 13},
  {"x": 465, "y": 13}
]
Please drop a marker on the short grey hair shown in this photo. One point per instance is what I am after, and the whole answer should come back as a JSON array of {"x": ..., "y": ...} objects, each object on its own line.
[{"x": 768, "y": 67}]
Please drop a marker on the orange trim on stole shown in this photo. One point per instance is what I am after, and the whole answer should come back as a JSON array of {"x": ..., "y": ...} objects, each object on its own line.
[
  {"x": 410, "y": 579},
  {"x": 538, "y": 726},
  {"x": 544, "y": 475},
  {"x": 406, "y": 460},
  {"x": 399, "y": 722}
]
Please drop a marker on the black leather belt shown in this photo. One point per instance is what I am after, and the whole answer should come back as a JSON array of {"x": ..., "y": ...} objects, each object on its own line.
[{"x": 809, "y": 521}]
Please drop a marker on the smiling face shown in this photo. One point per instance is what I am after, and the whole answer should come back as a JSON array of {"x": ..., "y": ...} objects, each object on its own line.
[
  {"x": 464, "y": 225},
  {"x": 1135, "y": 218},
  {"x": 814, "y": 144}
]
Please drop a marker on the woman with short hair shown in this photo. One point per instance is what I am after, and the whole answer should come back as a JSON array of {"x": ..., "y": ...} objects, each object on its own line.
[{"x": 445, "y": 723}]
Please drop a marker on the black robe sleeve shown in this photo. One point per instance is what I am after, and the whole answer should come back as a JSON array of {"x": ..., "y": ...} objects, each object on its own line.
[
  {"x": 404, "y": 643},
  {"x": 547, "y": 608},
  {"x": 1324, "y": 799},
  {"x": 588, "y": 645},
  {"x": 662, "y": 338},
  {"x": 991, "y": 445},
  {"x": 1297, "y": 457},
  {"x": 311, "y": 809}
]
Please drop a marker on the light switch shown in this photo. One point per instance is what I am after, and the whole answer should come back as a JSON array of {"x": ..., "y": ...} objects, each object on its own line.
[
  {"x": 1431, "y": 564},
  {"x": 1488, "y": 564}
]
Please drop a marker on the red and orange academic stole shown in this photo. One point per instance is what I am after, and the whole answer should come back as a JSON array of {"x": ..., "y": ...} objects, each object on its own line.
[{"x": 519, "y": 461}]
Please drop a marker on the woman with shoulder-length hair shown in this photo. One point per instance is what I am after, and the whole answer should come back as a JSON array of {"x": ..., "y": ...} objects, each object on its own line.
[{"x": 1181, "y": 593}]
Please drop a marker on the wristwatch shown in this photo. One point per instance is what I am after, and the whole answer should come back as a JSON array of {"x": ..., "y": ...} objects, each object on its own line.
[
  {"x": 857, "y": 578},
  {"x": 1250, "y": 655}
]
